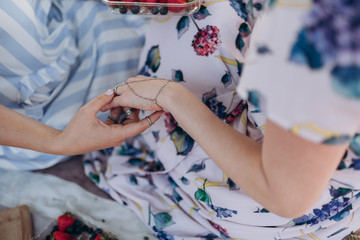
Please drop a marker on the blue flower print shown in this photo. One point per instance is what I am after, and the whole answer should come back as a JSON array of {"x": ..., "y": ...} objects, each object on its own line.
[
  {"x": 240, "y": 8},
  {"x": 355, "y": 163},
  {"x": 162, "y": 235},
  {"x": 339, "y": 192},
  {"x": 330, "y": 35},
  {"x": 215, "y": 106},
  {"x": 335, "y": 210},
  {"x": 222, "y": 212}
]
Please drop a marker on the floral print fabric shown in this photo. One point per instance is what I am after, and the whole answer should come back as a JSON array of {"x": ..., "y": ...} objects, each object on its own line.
[{"x": 165, "y": 177}]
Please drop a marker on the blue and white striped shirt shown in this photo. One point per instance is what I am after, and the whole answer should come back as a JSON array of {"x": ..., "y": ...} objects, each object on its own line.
[{"x": 56, "y": 55}]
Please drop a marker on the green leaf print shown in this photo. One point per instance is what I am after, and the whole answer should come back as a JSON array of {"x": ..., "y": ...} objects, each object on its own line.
[
  {"x": 182, "y": 141},
  {"x": 94, "y": 177},
  {"x": 341, "y": 165},
  {"x": 153, "y": 58},
  {"x": 346, "y": 81},
  {"x": 271, "y": 3},
  {"x": 254, "y": 97},
  {"x": 201, "y": 195},
  {"x": 202, "y": 13},
  {"x": 136, "y": 162},
  {"x": 262, "y": 210},
  {"x": 244, "y": 30},
  {"x": 305, "y": 52},
  {"x": 226, "y": 79},
  {"x": 239, "y": 42},
  {"x": 182, "y": 26},
  {"x": 334, "y": 140},
  {"x": 133, "y": 180},
  {"x": 239, "y": 67},
  {"x": 198, "y": 167},
  {"x": 177, "y": 76},
  {"x": 163, "y": 220}
]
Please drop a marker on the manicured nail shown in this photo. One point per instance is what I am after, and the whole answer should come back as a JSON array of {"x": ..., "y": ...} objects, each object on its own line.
[{"x": 109, "y": 92}]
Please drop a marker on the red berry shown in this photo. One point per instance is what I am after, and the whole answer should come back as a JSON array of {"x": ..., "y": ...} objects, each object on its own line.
[
  {"x": 180, "y": 5},
  {"x": 151, "y": 4},
  {"x": 149, "y": 1},
  {"x": 64, "y": 221},
  {"x": 100, "y": 236},
  {"x": 61, "y": 236},
  {"x": 129, "y": 1}
]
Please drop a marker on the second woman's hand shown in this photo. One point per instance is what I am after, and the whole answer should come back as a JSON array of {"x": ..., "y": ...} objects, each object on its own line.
[
  {"x": 144, "y": 93},
  {"x": 86, "y": 132}
]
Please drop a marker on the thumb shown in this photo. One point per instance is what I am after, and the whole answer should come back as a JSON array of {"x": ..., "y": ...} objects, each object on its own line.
[
  {"x": 135, "y": 128},
  {"x": 97, "y": 103}
]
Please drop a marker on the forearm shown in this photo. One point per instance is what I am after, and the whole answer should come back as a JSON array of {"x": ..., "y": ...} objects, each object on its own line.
[
  {"x": 235, "y": 153},
  {"x": 20, "y": 131}
]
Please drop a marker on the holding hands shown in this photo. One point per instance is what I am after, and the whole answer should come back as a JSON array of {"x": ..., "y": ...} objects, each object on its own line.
[
  {"x": 140, "y": 92},
  {"x": 84, "y": 133},
  {"x": 88, "y": 133}
]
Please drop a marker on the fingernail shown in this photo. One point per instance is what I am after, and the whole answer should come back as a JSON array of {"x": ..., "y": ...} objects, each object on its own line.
[{"x": 109, "y": 92}]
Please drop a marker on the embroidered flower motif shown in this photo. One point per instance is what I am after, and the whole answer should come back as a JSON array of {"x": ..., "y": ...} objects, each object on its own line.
[
  {"x": 206, "y": 40},
  {"x": 222, "y": 230}
]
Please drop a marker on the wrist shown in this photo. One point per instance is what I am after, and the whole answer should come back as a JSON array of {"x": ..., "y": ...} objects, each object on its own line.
[
  {"x": 170, "y": 95},
  {"x": 55, "y": 144}
]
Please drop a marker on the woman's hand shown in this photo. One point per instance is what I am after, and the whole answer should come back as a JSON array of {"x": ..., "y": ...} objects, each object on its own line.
[
  {"x": 141, "y": 92},
  {"x": 86, "y": 132}
]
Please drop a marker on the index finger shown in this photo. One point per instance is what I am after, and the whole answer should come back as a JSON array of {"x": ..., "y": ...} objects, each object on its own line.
[{"x": 98, "y": 102}]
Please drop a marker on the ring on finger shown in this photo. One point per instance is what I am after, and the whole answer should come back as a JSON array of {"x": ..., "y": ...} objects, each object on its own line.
[
  {"x": 149, "y": 120},
  {"x": 129, "y": 112},
  {"x": 111, "y": 119},
  {"x": 116, "y": 87}
]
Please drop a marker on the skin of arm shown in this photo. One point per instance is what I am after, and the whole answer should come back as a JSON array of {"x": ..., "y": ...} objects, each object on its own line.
[
  {"x": 286, "y": 174},
  {"x": 84, "y": 133}
]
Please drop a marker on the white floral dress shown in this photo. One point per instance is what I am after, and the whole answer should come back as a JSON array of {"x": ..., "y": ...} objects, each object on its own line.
[{"x": 171, "y": 183}]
